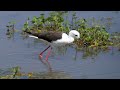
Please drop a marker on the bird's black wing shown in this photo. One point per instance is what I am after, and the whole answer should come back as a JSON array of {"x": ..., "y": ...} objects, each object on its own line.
[
  {"x": 47, "y": 35},
  {"x": 50, "y": 36}
]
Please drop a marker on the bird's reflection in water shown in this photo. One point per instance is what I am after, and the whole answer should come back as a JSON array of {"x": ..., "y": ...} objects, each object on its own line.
[
  {"x": 47, "y": 64},
  {"x": 50, "y": 74}
]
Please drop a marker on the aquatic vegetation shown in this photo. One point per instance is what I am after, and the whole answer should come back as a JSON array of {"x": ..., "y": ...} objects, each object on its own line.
[
  {"x": 11, "y": 29},
  {"x": 15, "y": 73},
  {"x": 51, "y": 75},
  {"x": 52, "y": 22},
  {"x": 11, "y": 25},
  {"x": 115, "y": 38},
  {"x": 93, "y": 33},
  {"x": 26, "y": 24},
  {"x": 9, "y": 73},
  {"x": 93, "y": 52}
]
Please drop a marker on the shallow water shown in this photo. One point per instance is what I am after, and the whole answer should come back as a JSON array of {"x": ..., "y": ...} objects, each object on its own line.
[{"x": 24, "y": 53}]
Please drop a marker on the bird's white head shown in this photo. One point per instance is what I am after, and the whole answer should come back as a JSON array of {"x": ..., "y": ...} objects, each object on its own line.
[{"x": 74, "y": 34}]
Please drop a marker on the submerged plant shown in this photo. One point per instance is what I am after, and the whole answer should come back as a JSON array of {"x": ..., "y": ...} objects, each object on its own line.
[{"x": 11, "y": 29}]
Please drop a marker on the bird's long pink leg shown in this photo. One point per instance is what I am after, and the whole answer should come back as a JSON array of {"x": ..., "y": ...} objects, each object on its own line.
[
  {"x": 43, "y": 52},
  {"x": 48, "y": 54}
]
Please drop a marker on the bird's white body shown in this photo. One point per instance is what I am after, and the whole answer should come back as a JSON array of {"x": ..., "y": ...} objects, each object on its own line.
[{"x": 65, "y": 39}]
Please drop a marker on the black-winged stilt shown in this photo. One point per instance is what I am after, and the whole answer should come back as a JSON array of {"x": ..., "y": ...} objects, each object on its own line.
[{"x": 55, "y": 38}]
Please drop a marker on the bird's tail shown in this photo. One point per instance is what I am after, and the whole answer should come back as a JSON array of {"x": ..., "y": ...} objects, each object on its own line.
[{"x": 33, "y": 36}]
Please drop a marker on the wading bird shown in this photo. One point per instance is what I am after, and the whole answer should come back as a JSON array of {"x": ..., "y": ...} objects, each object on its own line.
[{"x": 55, "y": 38}]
